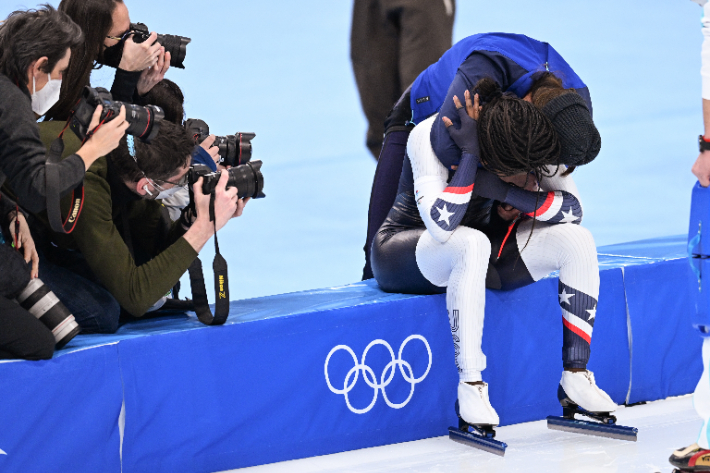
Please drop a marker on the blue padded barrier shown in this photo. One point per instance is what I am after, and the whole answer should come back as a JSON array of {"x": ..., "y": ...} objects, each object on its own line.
[
  {"x": 61, "y": 414},
  {"x": 254, "y": 391},
  {"x": 666, "y": 348}
]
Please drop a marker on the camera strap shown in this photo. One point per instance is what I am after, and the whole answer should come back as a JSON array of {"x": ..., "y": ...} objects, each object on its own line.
[
  {"x": 52, "y": 179},
  {"x": 221, "y": 283}
]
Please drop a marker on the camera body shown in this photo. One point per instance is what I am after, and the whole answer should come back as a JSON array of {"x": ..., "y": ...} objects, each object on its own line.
[
  {"x": 234, "y": 149},
  {"x": 247, "y": 178},
  {"x": 175, "y": 45},
  {"x": 144, "y": 121}
]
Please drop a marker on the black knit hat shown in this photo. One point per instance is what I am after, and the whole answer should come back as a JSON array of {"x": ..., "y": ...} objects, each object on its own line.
[{"x": 579, "y": 138}]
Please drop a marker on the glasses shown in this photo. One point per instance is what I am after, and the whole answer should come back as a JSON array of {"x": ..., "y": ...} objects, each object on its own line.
[
  {"x": 182, "y": 182},
  {"x": 122, "y": 37}
]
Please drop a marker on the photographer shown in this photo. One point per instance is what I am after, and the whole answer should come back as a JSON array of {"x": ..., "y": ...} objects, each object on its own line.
[
  {"x": 34, "y": 53},
  {"x": 22, "y": 334},
  {"x": 108, "y": 40},
  {"x": 118, "y": 240}
]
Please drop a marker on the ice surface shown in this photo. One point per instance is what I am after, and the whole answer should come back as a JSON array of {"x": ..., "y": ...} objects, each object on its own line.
[{"x": 532, "y": 448}]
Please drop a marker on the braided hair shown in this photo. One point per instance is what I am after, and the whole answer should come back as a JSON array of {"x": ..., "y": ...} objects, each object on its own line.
[{"x": 514, "y": 136}]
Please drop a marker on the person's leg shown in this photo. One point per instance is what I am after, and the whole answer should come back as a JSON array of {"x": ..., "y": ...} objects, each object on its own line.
[
  {"x": 461, "y": 264},
  {"x": 374, "y": 46},
  {"x": 426, "y": 30},
  {"x": 698, "y": 454},
  {"x": 93, "y": 307},
  {"x": 570, "y": 249},
  {"x": 384, "y": 189},
  {"x": 22, "y": 335},
  {"x": 394, "y": 262}
]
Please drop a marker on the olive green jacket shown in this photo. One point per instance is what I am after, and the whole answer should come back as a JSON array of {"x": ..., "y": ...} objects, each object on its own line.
[{"x": 97, "y": 235}]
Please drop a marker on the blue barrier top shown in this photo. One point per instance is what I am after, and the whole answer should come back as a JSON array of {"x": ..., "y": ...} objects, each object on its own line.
[{"x": 365, "y": 292}]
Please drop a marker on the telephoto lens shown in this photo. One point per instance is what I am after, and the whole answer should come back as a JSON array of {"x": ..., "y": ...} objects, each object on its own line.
[
  {"x": 234, "y": 149},
  {"x": 144, "y": 122},
  {"x": 247, "y": 178},
  {"x": 175, "y": 45},
  {"x": 39, "y": 301}
]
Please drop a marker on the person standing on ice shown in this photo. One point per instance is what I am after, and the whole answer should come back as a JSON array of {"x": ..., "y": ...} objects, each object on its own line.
[
  {"x": 696, "y": 457},
  {"x": 503, "y": 226}
]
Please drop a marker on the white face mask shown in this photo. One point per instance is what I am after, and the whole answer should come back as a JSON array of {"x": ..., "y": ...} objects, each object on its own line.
[
  {"x": 44, "y": 99},
  {"x": 165, "y": 193}
]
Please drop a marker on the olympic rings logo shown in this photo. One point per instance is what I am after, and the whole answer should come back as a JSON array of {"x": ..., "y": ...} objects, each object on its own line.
[{"x": 369, "y": 376}]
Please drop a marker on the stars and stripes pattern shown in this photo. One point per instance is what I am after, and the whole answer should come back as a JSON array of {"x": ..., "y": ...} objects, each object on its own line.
[
  {"x": 579, "y": 311},
  {"x": 552, "y": 207},
  {"x": 450, "y": 208}
]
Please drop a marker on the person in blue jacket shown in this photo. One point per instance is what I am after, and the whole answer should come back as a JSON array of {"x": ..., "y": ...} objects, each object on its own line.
[
  {"x": 518, "y": 64},
  {"x": 485, "y": 199}
]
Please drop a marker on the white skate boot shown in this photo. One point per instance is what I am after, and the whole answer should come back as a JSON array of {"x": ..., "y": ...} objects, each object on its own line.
[
  {"x": 474, "y": 406},
  {"x": 579, "y": 394},
  {"x": 581, "y": 389},
  {"x": 476, "y": 419}
]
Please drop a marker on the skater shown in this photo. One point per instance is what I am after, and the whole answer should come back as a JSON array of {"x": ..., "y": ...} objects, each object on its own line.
[
  {"x": 696, "y": 457},
  {"x": 521, "y": 224},
  {"x": 521, "y": 66}
]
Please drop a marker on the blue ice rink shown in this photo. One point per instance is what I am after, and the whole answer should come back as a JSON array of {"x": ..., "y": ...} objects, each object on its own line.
[{"x": 282, "y": 70}]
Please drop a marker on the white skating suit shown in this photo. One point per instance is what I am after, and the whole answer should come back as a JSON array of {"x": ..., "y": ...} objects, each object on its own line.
[{"x": 416, "y": 251}]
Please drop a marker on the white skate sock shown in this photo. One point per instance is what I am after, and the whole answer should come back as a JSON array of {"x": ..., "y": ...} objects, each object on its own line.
[
  {"x": 582, "y": 389},
  {"x": 474, "y": 406}
]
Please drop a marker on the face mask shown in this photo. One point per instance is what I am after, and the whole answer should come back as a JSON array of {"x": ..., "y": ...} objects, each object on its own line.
[
  {"x": 165, "y": 193},
  {"x": 44, "y": 99}
]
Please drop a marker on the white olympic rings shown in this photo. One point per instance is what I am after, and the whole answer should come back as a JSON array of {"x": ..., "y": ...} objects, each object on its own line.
[{"x": 369, "y": 376}]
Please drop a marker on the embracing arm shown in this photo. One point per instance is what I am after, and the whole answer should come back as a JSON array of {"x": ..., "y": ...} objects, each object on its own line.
[
  {"x": 557, "y": 202},
  {"x": 479, "y": 65}
]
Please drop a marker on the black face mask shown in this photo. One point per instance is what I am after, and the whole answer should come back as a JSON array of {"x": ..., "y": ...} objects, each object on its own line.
[{"x": 112, "y": 55}]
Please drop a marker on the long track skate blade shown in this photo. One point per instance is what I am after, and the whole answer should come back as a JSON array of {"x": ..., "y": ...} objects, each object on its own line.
[
  {"x": 613, "y": 431},
  {"x": 488, "y": 444}
]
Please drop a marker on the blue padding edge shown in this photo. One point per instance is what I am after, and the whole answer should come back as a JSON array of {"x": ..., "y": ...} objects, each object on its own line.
[
  {"x": 666, "y": 348},
  {"x": 61, "y": 414}
]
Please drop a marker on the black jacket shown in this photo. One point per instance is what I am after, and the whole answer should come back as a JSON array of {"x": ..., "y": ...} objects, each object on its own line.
[{"x": 22, "y": 153}]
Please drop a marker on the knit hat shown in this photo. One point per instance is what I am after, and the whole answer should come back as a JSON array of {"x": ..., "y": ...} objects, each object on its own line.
[{"x": 579, "y": 138}]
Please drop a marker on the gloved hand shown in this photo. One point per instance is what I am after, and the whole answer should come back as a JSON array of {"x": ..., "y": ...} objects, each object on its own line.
[
  {"x": 466, "y": 135},
  {"x": 490, "y": 186}
]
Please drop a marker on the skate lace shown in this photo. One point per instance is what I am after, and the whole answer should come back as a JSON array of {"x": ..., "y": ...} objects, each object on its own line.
[{"x": 590, "y": 377}]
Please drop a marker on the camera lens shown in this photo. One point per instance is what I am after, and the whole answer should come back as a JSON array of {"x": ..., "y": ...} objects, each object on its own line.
[
  {"x": 144, "y": 121},
  {"x": 41, "y": 302},
  {"x": 176, "y": 46},
  {"x": 248, "y": 179}
]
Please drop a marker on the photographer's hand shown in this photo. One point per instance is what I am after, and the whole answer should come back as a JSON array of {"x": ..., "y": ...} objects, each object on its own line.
[
  {"x": 26, "y": 243},
  {"x": 140, "y": 56},
  {"x": 105, "y": 138},
  {"x": 226, "y": 206},
  {"x": 154, "y": 74},
  {"x": 213, "y": 151}
]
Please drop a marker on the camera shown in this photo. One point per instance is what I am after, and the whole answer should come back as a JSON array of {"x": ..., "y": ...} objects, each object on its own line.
[
  {"x": 247, "y": 178},
  {"x": 233, "y": 149},
  {"x": 144, "y": 121},
  {"x": 175, "y": 45},
  {"x": 41, "y": 302}
]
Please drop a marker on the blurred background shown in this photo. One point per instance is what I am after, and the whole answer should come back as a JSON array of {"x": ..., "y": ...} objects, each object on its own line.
[{"x": 282, "y": 69}]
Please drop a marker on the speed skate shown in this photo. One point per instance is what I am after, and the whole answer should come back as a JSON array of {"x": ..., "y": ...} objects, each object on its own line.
[
  {"x": 478, "y": 436},
  {"x": 603, "y": 424}
]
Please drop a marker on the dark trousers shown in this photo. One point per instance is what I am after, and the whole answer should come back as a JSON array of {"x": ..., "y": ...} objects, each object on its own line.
[
  {"x": 22, "y": 335},
  {"x": 391, "y": 43},
  {"x": 70, "y": 278}
]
